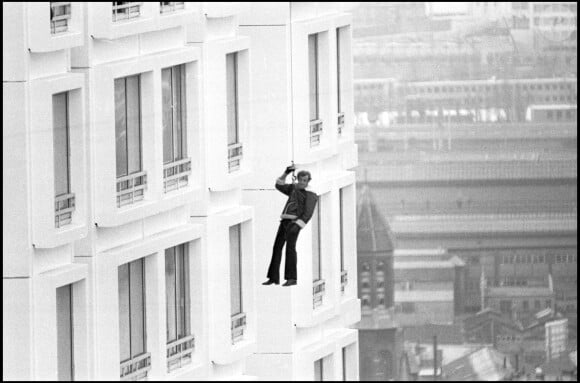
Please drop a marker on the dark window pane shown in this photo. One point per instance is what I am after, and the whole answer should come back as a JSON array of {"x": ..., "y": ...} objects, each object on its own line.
[
  {"x": 167, "y": 115},
  {"x": 120, "y": 127},
  {"x": 232, "y": 96},
  {"x": 133, "y": 124},
  {"x": 235, "y": 269},
  {"x": 137, "y": 308},
  {"x": 61, "y": 143},
  {"x": 64, "y": 330},
  {"x": 313, "y": 75},
  {"x": 316, "y": 262},
  {"x": 124, "y": 313},
  {"x": 170, "y": 294}
]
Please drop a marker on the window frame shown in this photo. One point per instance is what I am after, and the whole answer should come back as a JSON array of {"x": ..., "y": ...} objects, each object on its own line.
[
  {"x": 236, "y": 228},
  {"x": 67, "y": 142},
  {"x": 140, "y": 263},
  {"x": 70, "y": 322},
  {"x": 313, "y": 83},
  {"x": 138, "y": 103},
  {"x": 178, "y": 117},
  {"x": 317, "y": 248},
  {"x": 182, "y": 310},
  {"x": 234, "y": 95}
]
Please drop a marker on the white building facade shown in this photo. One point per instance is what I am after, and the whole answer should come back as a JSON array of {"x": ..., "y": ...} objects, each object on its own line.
[
  {"x": 133, "y": 243},
  {"x": 301, "y": 67}
]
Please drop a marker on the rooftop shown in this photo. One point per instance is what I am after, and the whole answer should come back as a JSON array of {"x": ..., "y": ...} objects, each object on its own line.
[
  {"x": 483, "y": 364},
  {"x": 424, "y": 296},
  {"x": 423, "y": 264}
]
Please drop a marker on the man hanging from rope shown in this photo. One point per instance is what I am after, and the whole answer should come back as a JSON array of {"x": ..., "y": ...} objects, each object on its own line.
[{"x": 295, "y": 215}]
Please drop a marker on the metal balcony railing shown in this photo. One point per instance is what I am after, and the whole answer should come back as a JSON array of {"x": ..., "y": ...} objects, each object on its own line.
[
  {"x": 318, "y": 288},
  {"x": 179, "y": 352},
  {"x": 315, "y": 132},
  {"x": 136, "y": 368},
  {"x": 238, "y": 327},
  {"x": 235, "y": 155},
  {"x": 343, "y": 280},
  {"x": 126, "y": 10},
  {"x": 59, "y": 16},
  {"x": 64, "y": 205},
  {"x": 166, "y": 7},
  {"x": 176, "y": 174},
  {"x": 340, "y": 123},
  {"x": 131, "y": 188}
]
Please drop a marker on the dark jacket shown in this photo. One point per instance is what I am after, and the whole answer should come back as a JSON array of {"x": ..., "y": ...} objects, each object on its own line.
[{"x": 306, "y": 203}]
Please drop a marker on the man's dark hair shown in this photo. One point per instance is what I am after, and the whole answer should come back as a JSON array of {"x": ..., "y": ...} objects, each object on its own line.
[{"x": 302, "y": 173}]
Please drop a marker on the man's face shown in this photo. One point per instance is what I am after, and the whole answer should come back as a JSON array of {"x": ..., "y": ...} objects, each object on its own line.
[{"x": 302, "y": 182}]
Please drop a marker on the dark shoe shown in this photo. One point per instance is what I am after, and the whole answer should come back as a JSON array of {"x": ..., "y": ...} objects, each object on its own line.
[
  {"x": 290, "y": 282},
  {"x": 270, "y": 282}
]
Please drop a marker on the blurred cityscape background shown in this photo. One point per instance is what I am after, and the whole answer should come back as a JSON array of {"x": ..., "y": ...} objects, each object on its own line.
[{"x": 466, "y": 120}]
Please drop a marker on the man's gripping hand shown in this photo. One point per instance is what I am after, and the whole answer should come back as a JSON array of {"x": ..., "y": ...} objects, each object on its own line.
[{"x": 289, "y": 169}]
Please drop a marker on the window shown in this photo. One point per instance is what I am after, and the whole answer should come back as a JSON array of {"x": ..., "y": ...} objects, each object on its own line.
[
  {"x": 338, "y": 90},
  {"x": 64, "y": 333},
  {"x": 126, "y": 10},
  {"x": 344, "y": 351},
  {"x": 341, "y": 241},
  {"x": 318, "y": 370},
  {"x": 339, "y": 41},
  {"x": 176, "y": 167},
  {"x": 525, "y": 306},
  {"x": 179, "y": 341},
  {"x": 316, "y": 245},
  {"x": 174, "y": 122},
  {"x": 59, "y": 16},
  {"x": 234, "y": 145},
  {"x": 408, "y": 307},
  {"x": 505, "y": 306},
  {"x": 313, "y": 76},
  {"x": 130, "y": 179},
  {"x": 135, "y": 361},
  {"x": 236, "y": 269},
  {"x": 313, "y": 81},
  {"x": 537, "y": 305},
  {"x": 64, "y": 199},
  {"x": 232, "y": 96},
  {"x": 166, "y": 7},
  {"x": 366, "y": 301},
  {"x": 238, "y": 317}
]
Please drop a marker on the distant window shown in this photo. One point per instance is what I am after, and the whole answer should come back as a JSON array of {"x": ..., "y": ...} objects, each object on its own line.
[
  {"x": 537, "y": 305},
  {"x": 313, "y": 71},
  {"x": 126, "y": 10},
  {"x": 166, "y": 7},
  {"x": 525, "y": 306},
  {"x": 408, "y": 307},
  {"x": 550, "y": 115},
  {"x": 59, "y": 16}
]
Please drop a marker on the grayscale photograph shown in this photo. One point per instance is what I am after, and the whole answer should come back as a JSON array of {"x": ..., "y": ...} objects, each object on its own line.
[{"x": 289, "y": 191}]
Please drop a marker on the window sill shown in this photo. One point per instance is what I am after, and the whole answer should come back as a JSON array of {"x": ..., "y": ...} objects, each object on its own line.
[
  {"x": 129, "y": 213},
  {"x": 61, "y": 236}
]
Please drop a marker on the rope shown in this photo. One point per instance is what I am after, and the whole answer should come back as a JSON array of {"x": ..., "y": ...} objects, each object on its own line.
[{"x": 291, "y": 91}]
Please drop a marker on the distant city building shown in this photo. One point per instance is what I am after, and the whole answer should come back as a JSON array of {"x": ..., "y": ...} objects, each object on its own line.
[{"x": 381, "y": 340}]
